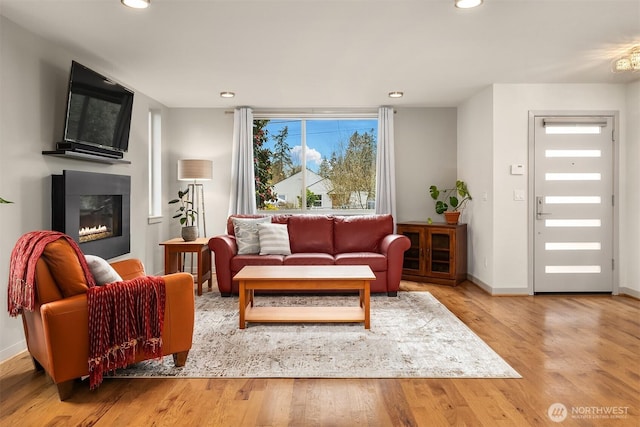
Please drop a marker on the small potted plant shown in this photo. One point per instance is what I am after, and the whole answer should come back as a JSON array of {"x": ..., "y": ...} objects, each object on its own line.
[
  {"x": 187, "y": 216},
  {"x": 4, "y": 201},
  {"x": 451, "y": 201}
]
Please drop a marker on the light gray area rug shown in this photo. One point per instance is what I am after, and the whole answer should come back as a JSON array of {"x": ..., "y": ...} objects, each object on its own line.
[{"x": 411, "y": 336}]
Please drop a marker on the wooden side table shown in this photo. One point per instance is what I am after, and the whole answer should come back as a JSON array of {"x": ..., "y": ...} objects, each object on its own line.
[{"x": 173, "y": 261}]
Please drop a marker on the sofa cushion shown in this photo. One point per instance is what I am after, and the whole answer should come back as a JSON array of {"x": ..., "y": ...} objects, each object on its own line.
[
  {"x": 361, "y": 233},
  {"x": 239, "y": 261},
  {"x": 309, "y": 258},
  {"x": 311, "y": 233},
  {"x": 377, "y": 262},
  {"x": 102, "y": 272},
  {"x": 274, "y": 239},
  {"x": 246, "y": 231},
  {"x": 65, "y": 268}
]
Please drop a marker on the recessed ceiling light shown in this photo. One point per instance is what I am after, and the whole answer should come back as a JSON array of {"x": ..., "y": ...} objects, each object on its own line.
[
  {"x": 468, "y": 4},
  {"x": 396, "y": 94},
  {"x": 629, "y": 62},
  {"x": 136, "y": 4},
  {"x": 227, "y": 94}
]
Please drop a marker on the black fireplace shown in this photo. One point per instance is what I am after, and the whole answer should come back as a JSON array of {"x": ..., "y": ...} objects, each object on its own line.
[{"x": 94, "y": 209}]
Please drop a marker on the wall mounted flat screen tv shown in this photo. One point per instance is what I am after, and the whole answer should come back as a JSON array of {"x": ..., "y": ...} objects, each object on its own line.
[{"x": 98, "y": 114}]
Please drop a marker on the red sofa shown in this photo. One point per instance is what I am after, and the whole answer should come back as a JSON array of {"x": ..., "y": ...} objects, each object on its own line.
[{"x": 321, "y": 240}]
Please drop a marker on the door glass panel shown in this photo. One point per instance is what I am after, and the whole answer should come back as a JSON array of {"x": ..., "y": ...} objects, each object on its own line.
[
  {"x": 572, "y": 223},
  {"x": 440, "y": 252},
  {"x": 572, "y": 246},
  {"x": 440, "y": 241},
  {"x": 572, "y": 176},
  {"x": 412, "y": 255},
  {"x": 572, "y": 269},
  {"x": 572, "y": 200},
  {"x": 572, "y": 153},
  {"x": 573, "y": 130}
]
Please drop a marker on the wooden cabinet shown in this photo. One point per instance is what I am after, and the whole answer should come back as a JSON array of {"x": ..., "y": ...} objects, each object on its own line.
[{"x": 438, "y": 252}]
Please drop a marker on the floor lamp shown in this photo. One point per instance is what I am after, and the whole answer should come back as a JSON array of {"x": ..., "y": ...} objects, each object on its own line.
[{"x": 196, "y": 170}]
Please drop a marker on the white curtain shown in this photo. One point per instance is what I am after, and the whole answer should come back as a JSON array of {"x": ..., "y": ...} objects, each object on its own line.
[
  {"x": 243, "y": 183},
  {"x": 385, "y": 164}
]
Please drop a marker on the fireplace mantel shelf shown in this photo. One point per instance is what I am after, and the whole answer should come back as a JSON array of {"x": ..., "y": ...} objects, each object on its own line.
[{"x": 85, "y": 156}]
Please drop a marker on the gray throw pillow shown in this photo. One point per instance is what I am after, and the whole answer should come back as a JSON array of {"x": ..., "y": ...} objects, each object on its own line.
[
  {"x": 101, "y": 270},
  {"x": 274, "y": 239},
  {"x": 246, "y": 231}
]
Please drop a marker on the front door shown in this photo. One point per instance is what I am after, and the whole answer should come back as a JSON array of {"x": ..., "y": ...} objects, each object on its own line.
[{"x": 573, "y": 184}]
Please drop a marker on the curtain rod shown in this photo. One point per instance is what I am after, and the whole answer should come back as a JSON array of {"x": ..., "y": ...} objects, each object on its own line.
[{"x": 361, "y": 113}]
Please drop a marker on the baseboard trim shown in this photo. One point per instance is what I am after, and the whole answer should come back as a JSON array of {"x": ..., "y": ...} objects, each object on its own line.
[
  {"x": 629, "y": 292},
  {"x": 497, "y": 291},
  {"x": 13, "y": 350}
]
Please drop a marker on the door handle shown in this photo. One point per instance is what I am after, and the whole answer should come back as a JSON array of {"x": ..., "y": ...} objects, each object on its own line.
[{"x": 540, "y": 207}]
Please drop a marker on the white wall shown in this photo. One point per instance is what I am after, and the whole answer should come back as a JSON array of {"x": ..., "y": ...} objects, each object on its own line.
[
  {"x": 511, "y": 104},
  {"x": 425, "y": 150},
  {"x": 201, "y": 133},
  {"x": 34, "y": 76},
  {"x": 475, "y": 167},
  {"x": 630, "y": 204}
]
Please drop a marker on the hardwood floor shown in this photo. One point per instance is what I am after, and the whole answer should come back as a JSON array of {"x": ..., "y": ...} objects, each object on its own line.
[{"x": 581, "y": 351}]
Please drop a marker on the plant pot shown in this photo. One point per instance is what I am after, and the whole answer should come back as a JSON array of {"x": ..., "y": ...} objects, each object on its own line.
[
  {"x": 189, "y": 233},
  {"x": 452, "y": 217}
]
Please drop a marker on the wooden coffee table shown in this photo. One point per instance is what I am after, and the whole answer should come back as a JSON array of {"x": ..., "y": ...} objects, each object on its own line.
[{"x": 301, "y": 277}]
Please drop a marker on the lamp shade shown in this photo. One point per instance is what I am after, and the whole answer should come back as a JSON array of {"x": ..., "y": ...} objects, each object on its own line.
[{"x": 195, "y": 170}]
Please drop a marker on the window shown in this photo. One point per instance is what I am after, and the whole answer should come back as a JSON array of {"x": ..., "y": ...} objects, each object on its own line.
[
  {"x": 323, "y": 164},
  {"x": 573, "y": 125},
  {"x": 155, "y": 166}
]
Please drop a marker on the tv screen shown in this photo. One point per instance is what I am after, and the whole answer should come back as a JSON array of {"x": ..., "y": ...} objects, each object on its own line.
[{"x": 98, "y": 110}]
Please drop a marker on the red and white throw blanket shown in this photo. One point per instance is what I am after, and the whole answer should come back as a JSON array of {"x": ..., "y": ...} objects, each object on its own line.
[
  {"x": 123, "y": 316},
  {"x": 22, "y": 267}
]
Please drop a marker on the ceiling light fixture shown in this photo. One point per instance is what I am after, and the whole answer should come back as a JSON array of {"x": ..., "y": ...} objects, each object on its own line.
[
  {"x": 227, "y": 94},
  {"x": 396, "y": 94},
  {"x": 136, "y": 4},
  {"x": 467, "y": 4},
  {"x": 628, "y": 62}
]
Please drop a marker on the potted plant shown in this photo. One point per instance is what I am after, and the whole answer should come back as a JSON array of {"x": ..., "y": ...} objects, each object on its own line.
[
  {"x": 451, "y": 201},
  {"x": 4, "y": 201},
  {"x": 187, "y": 216}
]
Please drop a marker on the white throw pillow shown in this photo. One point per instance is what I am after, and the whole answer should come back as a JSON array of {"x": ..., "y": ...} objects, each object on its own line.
[
  {"x": 274, "y": 239},
  {"x": 102, "y": 272},
  {"x": 246, "y": 232}
]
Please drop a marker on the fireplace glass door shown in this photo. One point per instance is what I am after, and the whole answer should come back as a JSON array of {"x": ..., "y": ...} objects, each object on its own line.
[{"x": 100, "y": 217}]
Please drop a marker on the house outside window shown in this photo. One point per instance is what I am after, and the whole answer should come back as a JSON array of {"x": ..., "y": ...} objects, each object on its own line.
[{"x": 315, "y": 165}]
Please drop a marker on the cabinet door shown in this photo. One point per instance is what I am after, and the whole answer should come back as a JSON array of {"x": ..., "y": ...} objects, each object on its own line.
[
  {"x": 440, "y": 259},
  {"x": 414, "y": 260}
]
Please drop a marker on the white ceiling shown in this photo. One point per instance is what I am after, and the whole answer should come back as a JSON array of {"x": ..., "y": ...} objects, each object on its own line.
[{"x": 336, "y": 53}]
